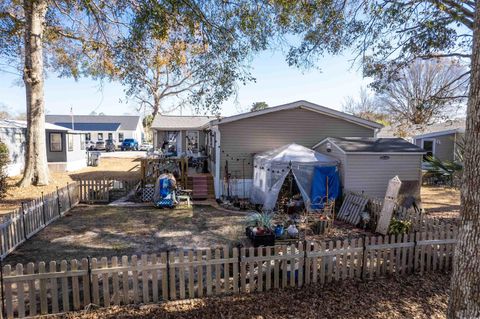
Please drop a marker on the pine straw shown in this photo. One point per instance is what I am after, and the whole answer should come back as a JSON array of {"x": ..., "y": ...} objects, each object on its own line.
[
  {"x": 441, "y": 202},
  {"x": 396, "y": 297}
]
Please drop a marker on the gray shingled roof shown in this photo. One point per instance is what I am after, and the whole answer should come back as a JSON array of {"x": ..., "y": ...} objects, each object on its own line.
[
  {"x": 415, "y": 130},
  {"x": 375, "y": 145},
  {"x": 127, "y": 122},
  {"x": 176, "y": 122}
]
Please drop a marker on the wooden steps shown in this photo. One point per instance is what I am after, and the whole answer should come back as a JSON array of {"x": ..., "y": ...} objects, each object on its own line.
[{"x": 202, "y": 186}]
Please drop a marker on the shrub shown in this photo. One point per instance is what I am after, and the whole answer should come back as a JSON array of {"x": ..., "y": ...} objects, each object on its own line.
[
  {"x": 399, "y": 227},
  {"x": 3, "y": 165}
]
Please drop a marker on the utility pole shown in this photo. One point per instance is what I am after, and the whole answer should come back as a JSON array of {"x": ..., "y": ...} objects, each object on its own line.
[{"x": 71, "y": 114}]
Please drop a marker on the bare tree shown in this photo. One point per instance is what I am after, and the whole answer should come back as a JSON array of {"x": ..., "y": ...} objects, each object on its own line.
[
  {"x": 365, "y": 106},
  {"x": 158, "y": 71},
  {"x": 425, "y": 91}
]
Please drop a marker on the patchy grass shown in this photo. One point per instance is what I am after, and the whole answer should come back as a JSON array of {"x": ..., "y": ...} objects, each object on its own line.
[
  {"x": 105, "y": 231},
  {"x": 122, "y": 168},
  {"x": 441, "y": 202},
  {"x": 395, "y": 297}
]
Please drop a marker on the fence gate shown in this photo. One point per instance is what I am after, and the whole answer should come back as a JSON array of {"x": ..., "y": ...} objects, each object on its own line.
[{"x": 103, "y": 191}]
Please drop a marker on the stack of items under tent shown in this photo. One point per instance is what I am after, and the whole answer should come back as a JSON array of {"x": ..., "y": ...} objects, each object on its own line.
[
  {"x": 308, "y": 167},
  {"x": 164, "y": 196}
]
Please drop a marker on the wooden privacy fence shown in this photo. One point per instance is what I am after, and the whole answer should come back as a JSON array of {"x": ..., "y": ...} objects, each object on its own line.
[
  {"x": 59, "y": 287},
  {"x": 98, "y": 191},
  {"x": 35, "y": 215}
]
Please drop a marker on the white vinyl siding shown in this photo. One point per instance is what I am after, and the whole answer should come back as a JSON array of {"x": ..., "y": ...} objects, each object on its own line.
[
  {"x": 370, "y": 174},
  {"x": 243, "y": 138}
]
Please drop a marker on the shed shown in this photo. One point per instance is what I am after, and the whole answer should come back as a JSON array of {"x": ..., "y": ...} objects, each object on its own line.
[{"x": 368, "y": 163}]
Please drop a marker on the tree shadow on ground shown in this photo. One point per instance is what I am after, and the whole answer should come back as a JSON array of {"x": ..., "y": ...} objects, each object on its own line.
[{"x": 106, "y": 231}]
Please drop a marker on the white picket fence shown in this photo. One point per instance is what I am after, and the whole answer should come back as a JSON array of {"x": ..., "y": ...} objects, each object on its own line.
[
  {"x": 35, "y": 215},
  {"x": 35, "y": 289}
]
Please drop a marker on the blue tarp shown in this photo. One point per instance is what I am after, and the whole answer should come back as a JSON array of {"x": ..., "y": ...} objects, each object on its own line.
[
  {"x": 318, "y": 193},
  {"x": 165, "y": 197}
]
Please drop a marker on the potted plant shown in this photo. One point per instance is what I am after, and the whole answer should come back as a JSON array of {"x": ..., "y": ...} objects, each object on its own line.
[{"x": 260, "y": 229}]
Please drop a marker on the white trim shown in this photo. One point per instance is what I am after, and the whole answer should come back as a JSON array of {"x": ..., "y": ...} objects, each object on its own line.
[
  {"x": 217, "y": 181},
  {"x": 300, "y": 104},
  {"x": 434, "y": 142},
  {"x": 439, "y": 133},
  {"x": 330, "y": 141}
]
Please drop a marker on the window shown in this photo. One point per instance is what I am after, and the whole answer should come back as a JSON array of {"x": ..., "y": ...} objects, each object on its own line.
[
  {"x": 120, "y": 137},
  {"x": 429, "y": 147},
  {"x": 70, "y": 142},
  {"x": 88, "y": 137},
  {"x": 82, "y": 142},
  {"x": 56, "y": 142},
  {"x": 110, "y": 136},
  {"x": 100, "y": 136}
]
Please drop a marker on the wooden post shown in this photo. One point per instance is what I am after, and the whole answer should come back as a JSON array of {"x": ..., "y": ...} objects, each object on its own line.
[
  {"x": 2, "y": 287},
  {"x": 23, "y": 221},
  {"x": 58, "y": 203},
  {"x": 68, "y": 193},
  {"x": 43, "y": 211},
  {"x": 327, "y": 189}
]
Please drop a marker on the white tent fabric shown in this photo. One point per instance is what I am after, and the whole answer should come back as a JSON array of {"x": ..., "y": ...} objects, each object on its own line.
[{"x": 272, "y": 167}]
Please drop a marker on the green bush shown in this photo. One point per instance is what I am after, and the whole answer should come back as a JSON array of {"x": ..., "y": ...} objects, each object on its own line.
[
  {"x": 3, "y": 165},
  {"x": 399, "y": 227}
]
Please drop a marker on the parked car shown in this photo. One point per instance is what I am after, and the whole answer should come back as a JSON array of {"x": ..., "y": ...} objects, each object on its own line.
[
  {"x": 100, "y": 146},
  {"x": 129, "y": 144},
  {"x": 110, "y": 145},
  {"x": 90, "y": 145},
  {"x": 146, "y": 147}
]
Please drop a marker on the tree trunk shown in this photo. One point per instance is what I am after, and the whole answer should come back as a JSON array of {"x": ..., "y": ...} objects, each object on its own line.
[
  {"x": 465, "y": 285},
  {"x": 36, "y": 166},
  {"x": 156, "y": 105}
]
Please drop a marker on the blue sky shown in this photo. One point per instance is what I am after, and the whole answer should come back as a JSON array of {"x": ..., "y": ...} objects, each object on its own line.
[{"x": 276, "y": 83}]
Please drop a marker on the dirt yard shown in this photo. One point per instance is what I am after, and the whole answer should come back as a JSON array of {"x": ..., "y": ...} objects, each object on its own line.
[
  {"x": 124, "y": 168},
  {"x": 105, "y": 231},
  {"x": 396, "y": 297},
  {"x": 441, "y": 202}
]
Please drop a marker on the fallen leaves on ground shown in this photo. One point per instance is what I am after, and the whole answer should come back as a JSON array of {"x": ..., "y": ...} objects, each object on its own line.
[
  {"x": 396, "y": 297},
  {"x": 120, "y": 168}
]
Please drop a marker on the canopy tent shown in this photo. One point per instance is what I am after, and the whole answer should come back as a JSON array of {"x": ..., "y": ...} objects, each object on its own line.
[{"x": 272, "y": 167}]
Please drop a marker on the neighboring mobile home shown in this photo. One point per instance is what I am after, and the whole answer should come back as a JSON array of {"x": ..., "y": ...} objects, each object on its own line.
[
  {"x": 440, "y": 140},
  {"x": 367, "y": 164},
  {"x": 102, "y": 127},
  {"x": 65, "y": 147}
]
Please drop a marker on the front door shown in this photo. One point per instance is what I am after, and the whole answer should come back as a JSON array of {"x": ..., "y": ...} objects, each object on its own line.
[{"x": 429, "y": 146}]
